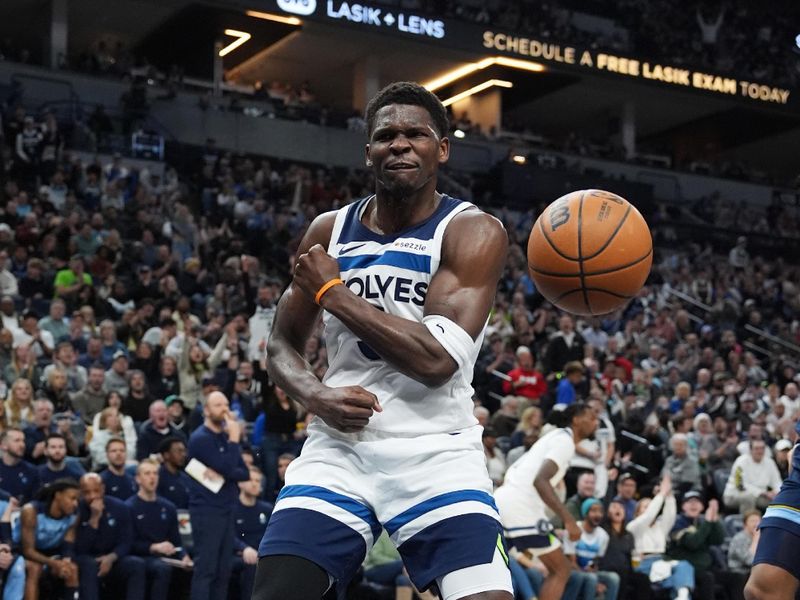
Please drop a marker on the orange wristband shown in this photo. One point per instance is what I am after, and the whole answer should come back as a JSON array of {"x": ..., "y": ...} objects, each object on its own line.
[{"x": 325, "y": 287}]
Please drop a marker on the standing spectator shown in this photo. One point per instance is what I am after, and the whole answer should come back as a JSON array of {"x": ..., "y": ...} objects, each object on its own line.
[
  {"x": 526, "y": 381},
  {"x": 155, "y": 430},
  {"x": 155, "y": 530},
  {"x": 216, "y": 445},
  {"x": 47, "y": 534},
  {"x": 193, "y": 367},
  {"x": 57, "y": 467},
  {"x": 754, "y": 480},
  {"x": 173, "y": 482},
  {"x": 692, "y": 537},
  {"x": 741, "y": 550},
  {"x": 92, "y": 398},
  {"x": 115, "y": 478},
  {"x": 591, "y": 546},
  {"x": 17, "y": 478},
  {"x": 566, "y": 345},
  {"x": 250, "y": 516},
  {"x": 682, "y": 466},
  {"x": 651, "y": 528},
  {"x": 566, "y": 390},
  {"x": 104, "y": 542},
  {"x": 27, "y": 155}
]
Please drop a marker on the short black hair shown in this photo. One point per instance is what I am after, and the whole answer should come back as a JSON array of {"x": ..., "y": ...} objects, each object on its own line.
[
  {"x": 408, "y": 92},
  {"x": 168, "y": 443}
]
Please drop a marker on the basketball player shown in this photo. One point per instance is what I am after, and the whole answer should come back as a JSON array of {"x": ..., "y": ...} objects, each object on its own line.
[
  {"x": 406, "y": 278},
  {"x": 776, "y": 564},
  {"x": 529, "y": 487}
]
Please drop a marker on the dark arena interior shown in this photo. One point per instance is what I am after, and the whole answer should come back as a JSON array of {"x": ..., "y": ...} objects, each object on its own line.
[{"x": 162, "y": 162}]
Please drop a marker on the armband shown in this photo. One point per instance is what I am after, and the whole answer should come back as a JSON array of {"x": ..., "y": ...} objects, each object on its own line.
[
  {"x": 457, "y": 342},
  {"x": 325, "y": 287}
]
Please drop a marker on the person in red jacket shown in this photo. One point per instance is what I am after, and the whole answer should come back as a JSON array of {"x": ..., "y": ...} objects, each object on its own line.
[{"x": 525, "y": 380}]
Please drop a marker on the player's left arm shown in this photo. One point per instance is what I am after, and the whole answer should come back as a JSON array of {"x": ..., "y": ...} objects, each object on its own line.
[{"x": 458, "y": 300}]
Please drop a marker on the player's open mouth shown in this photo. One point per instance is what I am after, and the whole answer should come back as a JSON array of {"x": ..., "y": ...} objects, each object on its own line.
[{"x": 401, "y": 167}]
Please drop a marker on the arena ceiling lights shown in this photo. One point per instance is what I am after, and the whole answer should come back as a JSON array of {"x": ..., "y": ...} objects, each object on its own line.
[
  {"x": 270, "y": 17},
  {"x": 478, "y": 88},
  {"x": 469, "y": 68},
  {"x": 241, "y": 38}
]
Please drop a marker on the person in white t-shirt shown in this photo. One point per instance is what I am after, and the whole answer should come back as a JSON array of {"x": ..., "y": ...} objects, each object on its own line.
[
  {"x": 528, "y": 491},
  {"x": 754, "y": 480}
]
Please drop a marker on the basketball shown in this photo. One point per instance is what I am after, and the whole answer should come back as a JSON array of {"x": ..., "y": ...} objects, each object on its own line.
[{"x": 590, "y": 252}]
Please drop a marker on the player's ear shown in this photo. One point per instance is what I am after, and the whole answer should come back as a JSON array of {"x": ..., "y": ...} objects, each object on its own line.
[
  {"x": 444, "y": 150},
  {"x": 367, "y": 159}
]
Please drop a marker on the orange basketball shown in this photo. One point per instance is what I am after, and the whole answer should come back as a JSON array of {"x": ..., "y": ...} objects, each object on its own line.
[{"x": 590, "y": 252}]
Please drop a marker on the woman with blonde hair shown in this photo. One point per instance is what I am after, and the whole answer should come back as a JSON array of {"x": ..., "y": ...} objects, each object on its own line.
[
  {"x": 194, "y": 365},
  {"x": 23, "y": 364},
  {"x": 530, "y": 422},
  {"x": 109, "y": 424},
  {"x": 19, "y": 409},
  {"x": 114, "y": 400}
]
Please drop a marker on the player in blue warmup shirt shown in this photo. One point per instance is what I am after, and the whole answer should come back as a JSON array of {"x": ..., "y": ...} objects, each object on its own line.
[
  {"x": 173, "y": 482},
  {"x": 250, "y": 517},
  {"x": 17, "y": 477},
  {"x": 104, "y": 542},
  {"x": 215, "y": 444},
  {"x": 404, "y": 280},
  {"x": 155, "y": 530},
  {"x": 57, "y": 467},
  {"x": 776, "y": 565},
  {"x": 117, "y": 481},
  {"x": 46, "y": 532}
]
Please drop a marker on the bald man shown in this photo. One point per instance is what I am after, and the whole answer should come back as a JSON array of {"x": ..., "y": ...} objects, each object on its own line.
[
  {"x": 103, "y": 543},
  {"x": 215, "y": 444}
]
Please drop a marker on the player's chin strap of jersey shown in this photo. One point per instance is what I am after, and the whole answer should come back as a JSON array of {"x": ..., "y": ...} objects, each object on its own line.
[{"x": 457, "y": 342}]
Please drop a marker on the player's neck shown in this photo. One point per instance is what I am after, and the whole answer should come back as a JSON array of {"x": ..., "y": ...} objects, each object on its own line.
[
  {"x": 388, "y": 215},
  {"x": 146, "y": 496}
]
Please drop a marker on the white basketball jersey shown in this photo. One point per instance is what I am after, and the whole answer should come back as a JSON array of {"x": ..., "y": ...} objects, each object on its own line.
[{"x": 393, "y": 273}]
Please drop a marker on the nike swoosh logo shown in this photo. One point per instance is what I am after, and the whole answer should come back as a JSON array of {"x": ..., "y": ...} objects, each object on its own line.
[
  {"x": 440, "y": 327},
  {"x": 351, "y": 248}
]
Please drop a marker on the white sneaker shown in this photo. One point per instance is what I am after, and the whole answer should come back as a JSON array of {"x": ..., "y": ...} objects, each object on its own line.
[{"x": 683, "y": 594}]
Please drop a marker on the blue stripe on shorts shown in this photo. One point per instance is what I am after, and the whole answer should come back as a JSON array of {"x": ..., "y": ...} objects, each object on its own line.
[{"x": 447, "y": 499}]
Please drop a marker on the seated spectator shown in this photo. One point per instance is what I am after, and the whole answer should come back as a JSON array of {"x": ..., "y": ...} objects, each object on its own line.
[
  {"x": 116, "y": 377},
  {"x": 618, "y": 557},
  {"x": 530, "y": 423},
  {"x": 719, "y": 450},
  {"x": 590, "y": 547},
  {"x": 93, "y": 355},
  {"x": 155, "y": 530},
  {"x": 57, "y": 467},
  {"x": 138, "y": 399},
  {"x": 117, "y": 481},
  {"x": 505, "y": 420},
  {"x": 155, "y": 430},
  {"x": 19, "y": 404},
  {"x": 55, "y": 322},
  {"x": 495, "y": 461},
  {"x": 70, "y": 282},
  {"x": 114, "y": 400},
  {"x": 250, "y": 517},
  {"x": 754, "y": 480},
  {"x": 55, "y": 389},
  {"x": 173, "y": 482},
  {"x": 177, "y": 414},
  {"x": 18, "y": 478},
  {"x": 65, "y": 359},
  {"x": 691, "y": 538},
  {"x": 12, "y": 564},
  {"x": 104, "y": 542},
  {"x": 23, "y": 365},
  {"x": 526, "y": 381},
  {"x": 651, "y": 528},
  {"x": 284, "y": 460},
  {"x": 47, "y": 532},
  {"x": 109, "y": 426},
  {"x": 626, "y": 495},
  {"x": 742, "y": 549},
  {"x": 585, "y": 490},
  {"x": 684, "y": 469},
  {"x": 39, "y": 428},
  {"x": 781, "y": 452},
  {"x": 92, "y": 398},
  {"x": 243, "y": 403}
]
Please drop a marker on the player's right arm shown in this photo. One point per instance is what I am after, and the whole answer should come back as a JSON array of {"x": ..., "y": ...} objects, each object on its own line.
[
  {"x": 550, "y": 498},
  {"x": 347, "y": 408}
]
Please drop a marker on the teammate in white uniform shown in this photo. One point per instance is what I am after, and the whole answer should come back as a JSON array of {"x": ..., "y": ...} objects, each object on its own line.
[
  {"x": 406, "y": 278},
  {"x": 529, "y": 487}
]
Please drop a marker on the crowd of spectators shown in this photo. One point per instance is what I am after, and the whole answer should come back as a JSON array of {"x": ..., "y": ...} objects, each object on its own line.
[{"x": 129, "y": 296}]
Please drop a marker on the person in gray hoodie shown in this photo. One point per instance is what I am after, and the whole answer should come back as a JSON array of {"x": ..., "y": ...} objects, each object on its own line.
[{"x": 92, "y": 398}]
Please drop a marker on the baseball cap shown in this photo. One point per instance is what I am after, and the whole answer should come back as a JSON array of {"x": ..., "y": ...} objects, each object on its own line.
[
  {"x": 119, "y": 354},
  {"x": 693, "y": 494},
  {"x": 783, "y": 445},
  {"x": 242, "y": 377},
  {"x": 172, "y": 398}
]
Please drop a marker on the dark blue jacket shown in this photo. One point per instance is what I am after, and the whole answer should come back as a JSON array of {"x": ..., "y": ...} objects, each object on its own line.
[
  {"x": 216, "y": 452},
  {"x": 153, "y": 522},
  {"x": 20, "y": 481},
  {"x": 174, "y": 488},
  {"x": 150, "y": 439},
  {"x": 113, "y": 533},
  {"x": 70, "y": 470},
  {"x": 119, "y": 486},
  {"x": 250, "y": 523}
]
